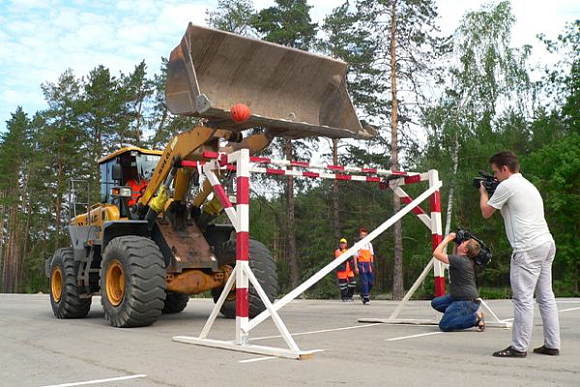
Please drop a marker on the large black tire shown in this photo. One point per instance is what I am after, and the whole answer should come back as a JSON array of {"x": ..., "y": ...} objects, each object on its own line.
[
  {"x": 64, "y": 292},
  {"x": 132, "y": 282},
  {"x": 264, "y": 268},
  {"x": 175, "y": 302}
]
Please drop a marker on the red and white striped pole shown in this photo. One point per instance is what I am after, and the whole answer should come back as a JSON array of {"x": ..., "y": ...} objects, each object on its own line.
[
  {"x": 242, "y": 241},
  {"x": 437, "y": 233}
]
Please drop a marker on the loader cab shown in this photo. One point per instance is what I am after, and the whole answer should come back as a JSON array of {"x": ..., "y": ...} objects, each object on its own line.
[{"x": 126, "y": 164}]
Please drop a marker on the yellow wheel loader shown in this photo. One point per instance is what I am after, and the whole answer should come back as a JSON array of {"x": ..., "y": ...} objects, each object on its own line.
[{"x": 146, "y": 247}]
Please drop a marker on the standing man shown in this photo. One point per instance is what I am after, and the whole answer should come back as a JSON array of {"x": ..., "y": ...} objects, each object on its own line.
[
  {"x": 533, "y": 248},
  {"x": 364, "y": 267},
  {"x": 346, "y": 279}
]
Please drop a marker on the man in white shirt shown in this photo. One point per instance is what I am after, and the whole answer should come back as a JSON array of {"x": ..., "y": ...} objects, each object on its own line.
[
  {"x": 522, "y": 209},
  {"x": 364, "y": 260}
]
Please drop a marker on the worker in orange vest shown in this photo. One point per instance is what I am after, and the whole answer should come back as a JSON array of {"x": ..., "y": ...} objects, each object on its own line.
[
  {"x": 365, "y": 267},
  {"x": 137, "y": 188},
  {"x": 345, "y": 273}
]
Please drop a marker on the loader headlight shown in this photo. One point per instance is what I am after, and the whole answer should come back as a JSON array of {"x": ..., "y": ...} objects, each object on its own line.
[{"x": 124, "y": 192}]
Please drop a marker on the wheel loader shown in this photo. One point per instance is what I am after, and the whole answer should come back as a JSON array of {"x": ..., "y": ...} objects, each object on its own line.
[{"x": 146, "y": 250}]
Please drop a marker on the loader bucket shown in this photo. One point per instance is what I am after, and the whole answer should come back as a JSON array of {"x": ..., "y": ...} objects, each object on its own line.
[{"x": 291, "y": 92}]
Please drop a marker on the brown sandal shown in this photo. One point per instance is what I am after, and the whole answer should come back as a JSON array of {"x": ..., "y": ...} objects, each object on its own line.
[
  {"x": 480, "y": 322},
  {"x": 509, "y": 352},
  {"x": 543, "y": 350}
]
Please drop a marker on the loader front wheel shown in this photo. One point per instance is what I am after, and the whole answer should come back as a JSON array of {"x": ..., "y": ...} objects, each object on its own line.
[
  {"x": 65, "y": 295},
  {"x": 264, "y": 268},
  {"x": 132, "y": 282},
  {"x": 175, "y": 302}
]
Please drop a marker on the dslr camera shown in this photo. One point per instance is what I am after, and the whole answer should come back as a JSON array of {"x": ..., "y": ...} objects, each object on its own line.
[
  {"x": 488, "y": 180},
  {"x": 485, "y": 254}
]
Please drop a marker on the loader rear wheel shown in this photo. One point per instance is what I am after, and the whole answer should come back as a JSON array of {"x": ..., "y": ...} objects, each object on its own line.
[
  {"x": 175, "y": 302},
  {"x": 264, "y": 268},
  {"x": 64, "y": 292},
  {"x": 132, "y": 282}
]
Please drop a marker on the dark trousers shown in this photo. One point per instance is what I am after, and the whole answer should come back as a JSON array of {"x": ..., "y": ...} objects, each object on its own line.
[
  {"x": 366, "y": 276},
  {"x": 457, "y": 314},
  {"x": 346, "y": 286}
]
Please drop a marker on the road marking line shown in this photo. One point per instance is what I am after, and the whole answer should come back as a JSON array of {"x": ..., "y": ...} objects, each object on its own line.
[
  {"x": 257, "y": 359},
  {"x": 436, "y": 333},
  {"x": 315, "y": 332},
  {"x": 568, "y": 310},
  {"x": 413, "y": 336},
  {"x": 96, "y": 381}
]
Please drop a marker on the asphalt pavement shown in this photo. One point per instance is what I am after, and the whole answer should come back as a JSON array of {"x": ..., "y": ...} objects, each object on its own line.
[{"x": 38, "y": 350}]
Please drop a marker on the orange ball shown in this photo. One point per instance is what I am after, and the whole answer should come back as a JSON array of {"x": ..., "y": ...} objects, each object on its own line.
[{"x": 240, "y": 113}]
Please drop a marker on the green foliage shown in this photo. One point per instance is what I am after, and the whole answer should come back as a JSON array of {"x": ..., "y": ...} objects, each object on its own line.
[
  {"x": 288, "y": 23},
  {"x": 484, "y": 107},
  {"x": 232, "y": 16}
]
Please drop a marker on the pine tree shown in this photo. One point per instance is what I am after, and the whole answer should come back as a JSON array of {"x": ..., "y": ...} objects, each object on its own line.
[
  {"x": 403, "y": 34},
  {"x": 15, "y": 173},
  {"x": 233, "y": 16},
  {"x": 137, "y": 90},
  {"x": 61, "y": 140}
]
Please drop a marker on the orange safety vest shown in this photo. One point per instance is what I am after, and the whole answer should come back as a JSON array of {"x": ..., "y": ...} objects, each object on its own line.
[
  {"x": 346, "y": 273},
  {"x": 135, "y": 190},
  {"x": 365, "y": 254}
]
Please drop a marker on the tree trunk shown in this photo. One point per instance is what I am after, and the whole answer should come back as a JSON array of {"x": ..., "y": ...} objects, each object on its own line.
[
  {"x": 398, "y": 288},
  {"x": 26, "y": 202},
  {"x": 3, "y": 262},
  {"x": 138, "y": 128},
  {"x": 335, "y": 201},
  {"x": 58, "y": 206},
  {"x": 290, "y": 219},
  {"x": 449, "y": 214}
]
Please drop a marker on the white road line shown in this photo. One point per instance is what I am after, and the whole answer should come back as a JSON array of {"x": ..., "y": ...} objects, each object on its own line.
[
  {"x": 436, "y": 333},
  {"x": 559, "y": 311},
  {"x": 257, "y": 359},
  {"x": 568, "y": 302},
  {"x": 413, "y": 336},
  {"x": 98, "y": 381},
  {"x": 315, "y": 332},
  {"x": 568, "y": 310}
]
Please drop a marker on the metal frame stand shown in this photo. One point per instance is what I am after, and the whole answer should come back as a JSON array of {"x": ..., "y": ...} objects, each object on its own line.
[
  {"x": 241, "y": 162},
  {"x": 433, "y": 222}
]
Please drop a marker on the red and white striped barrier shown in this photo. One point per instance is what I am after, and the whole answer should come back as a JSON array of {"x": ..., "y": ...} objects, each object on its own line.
[
  {"x": 244, "y": 165},
  {"x": 293, "y": 163},
  {"x": 437, "y": 232}
]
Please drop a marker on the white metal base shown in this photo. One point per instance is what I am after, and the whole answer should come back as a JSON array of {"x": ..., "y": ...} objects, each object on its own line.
[
  {"x": 249, "y": 348},
  {"x": 416, "y": 321}
]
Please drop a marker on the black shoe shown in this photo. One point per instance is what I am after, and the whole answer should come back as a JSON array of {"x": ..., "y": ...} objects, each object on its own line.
[
  {"x": 543, "y": 350},
  {"x": 510, "y": 352},
  {"x": 365, "y": 301}
]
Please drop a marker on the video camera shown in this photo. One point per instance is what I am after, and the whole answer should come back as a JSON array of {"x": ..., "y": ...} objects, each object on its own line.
[
  {"x": 485, "y": 254},
  {"x": 488, "y": 180}
]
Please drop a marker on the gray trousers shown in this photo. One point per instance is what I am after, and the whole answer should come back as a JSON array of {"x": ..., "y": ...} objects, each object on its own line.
[{"x": 532, "y": 270}]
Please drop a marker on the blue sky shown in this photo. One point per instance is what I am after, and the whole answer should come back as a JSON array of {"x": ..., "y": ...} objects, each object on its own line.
[{"x": 39, "y": 39}]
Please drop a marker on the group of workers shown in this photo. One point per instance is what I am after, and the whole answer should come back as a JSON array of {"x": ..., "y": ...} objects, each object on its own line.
[{"x": 362, "y": 263}]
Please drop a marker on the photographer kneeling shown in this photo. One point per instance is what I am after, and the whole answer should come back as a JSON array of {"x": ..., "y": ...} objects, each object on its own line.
[{"x": 460, "y": 307}]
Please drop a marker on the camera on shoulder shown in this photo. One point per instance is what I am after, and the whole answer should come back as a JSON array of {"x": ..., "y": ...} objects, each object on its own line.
[
  {"x": 488, "y": 180},
  {"x": 485, "y": 254}
]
